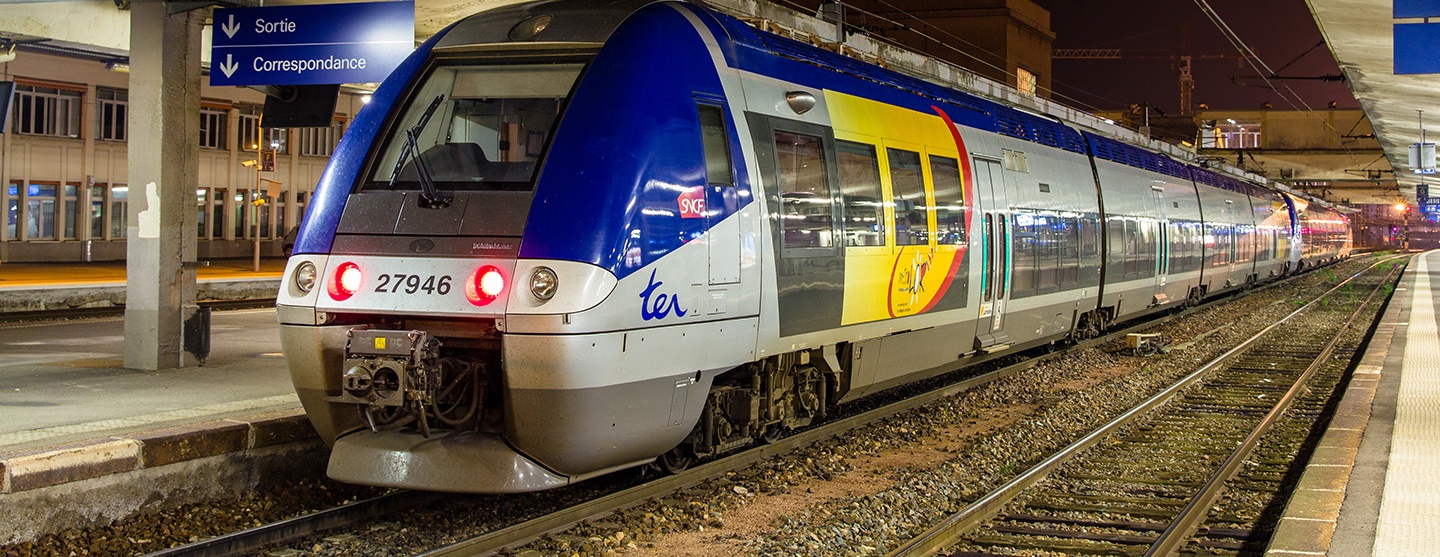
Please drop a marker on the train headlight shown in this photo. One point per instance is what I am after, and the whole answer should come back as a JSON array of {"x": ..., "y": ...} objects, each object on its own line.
[
  {"x": 543, "y": 283},
  {"x": 346, "y": 281},
  {"x": 485, "y": 285},
  {"x": 305, "y": 277}
]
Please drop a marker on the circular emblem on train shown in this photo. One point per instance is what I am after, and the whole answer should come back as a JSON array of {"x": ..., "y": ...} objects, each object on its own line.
[{"x": 422, "y": 246}]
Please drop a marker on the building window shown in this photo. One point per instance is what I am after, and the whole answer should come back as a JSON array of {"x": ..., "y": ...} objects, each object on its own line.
[
  {"x": 1026, "y": 81},
  {"x": 119, "y": 211},
  {"x": 201, "y": 196},
  {"x": 217, "y": 213},
  {"x": 212, "y": 128},
  {"x": 241, "y": 202},
  {"x": 319, "y": 142},
  {"x": 249, "y": 128},
  {"x": 97, "y": 212},
  {"x": 12, "y": 209},
  {"x": 40, "y": 212},
  {"x": 72, "y": 210},
  {"x": 112, "y": 109},
  {"x": 277, "y": 139},
  {"x": 47, "y": 111},
  {"x": 1230, "y": 134},
  {"x": 300, "y": 198},
  {"x": 262, "y": 214}
]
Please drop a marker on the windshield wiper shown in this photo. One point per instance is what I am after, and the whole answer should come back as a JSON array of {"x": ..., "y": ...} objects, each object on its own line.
[{"x": 430, "y": 196}]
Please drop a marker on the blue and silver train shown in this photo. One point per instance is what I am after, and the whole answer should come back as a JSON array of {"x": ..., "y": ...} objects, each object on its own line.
[{"x": 571, "y": 237}]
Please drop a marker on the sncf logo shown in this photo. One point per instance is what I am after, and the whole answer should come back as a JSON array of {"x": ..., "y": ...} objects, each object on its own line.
[{"x": 692, "y": 203}]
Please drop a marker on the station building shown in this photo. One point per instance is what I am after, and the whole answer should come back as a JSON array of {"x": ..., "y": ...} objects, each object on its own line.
[{"x": 63, "y": 163}]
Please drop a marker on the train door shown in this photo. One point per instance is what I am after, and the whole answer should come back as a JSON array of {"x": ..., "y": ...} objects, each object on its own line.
[
  {"x": 722, "y": 239},
  {"x": 1162, "y": 244},
  {"x": 995, "y": 254},
  {"x": 1232, "y": 243}
]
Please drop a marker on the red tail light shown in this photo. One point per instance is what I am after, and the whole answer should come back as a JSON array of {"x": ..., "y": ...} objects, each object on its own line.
[
  {"x": 346, "y": 281},
  {"x": 485, "y": 285}
]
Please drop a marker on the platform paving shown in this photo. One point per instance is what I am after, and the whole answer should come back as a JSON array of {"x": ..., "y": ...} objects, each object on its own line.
[{"x": 1372, "y": 487}]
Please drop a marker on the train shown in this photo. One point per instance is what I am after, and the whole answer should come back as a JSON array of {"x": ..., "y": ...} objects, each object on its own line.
[{"x": 567, "y": 238}]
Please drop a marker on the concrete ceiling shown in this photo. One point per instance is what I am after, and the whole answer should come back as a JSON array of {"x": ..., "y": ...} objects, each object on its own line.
[{"x": 1360, "y": 34}]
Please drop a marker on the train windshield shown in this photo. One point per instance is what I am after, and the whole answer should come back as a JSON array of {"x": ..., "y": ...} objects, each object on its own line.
[{"x": 475, "y": 128}]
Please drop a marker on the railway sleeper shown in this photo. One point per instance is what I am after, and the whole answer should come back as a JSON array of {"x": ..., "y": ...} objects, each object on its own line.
[
  {"x": 1136, "y": 526},
  {"x": 1074, "y": 547},
  {"x": 1112, "y": 537}
]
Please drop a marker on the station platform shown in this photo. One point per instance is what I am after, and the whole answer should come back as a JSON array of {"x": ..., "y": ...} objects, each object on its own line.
[
  {"x": 1371, "y": 486},
  {"x": 30, "y": 287},
  {"x": 83, "y": 438}
]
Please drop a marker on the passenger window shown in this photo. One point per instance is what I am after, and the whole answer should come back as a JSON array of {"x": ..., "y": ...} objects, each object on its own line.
[
  {"x": 908, "y": 184},
  {"x": 863, "y": 199},
  {"x": 1024, "y": 248},
  {"x": 804, "y": 191},
  {"x": 717, "y": 146},
  {"x": 949, "y": 201}
]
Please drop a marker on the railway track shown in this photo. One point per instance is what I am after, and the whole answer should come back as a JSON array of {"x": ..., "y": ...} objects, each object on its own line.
[
  {"x": 1165, "y": 464},
  {"x": 516, "y": 531}
]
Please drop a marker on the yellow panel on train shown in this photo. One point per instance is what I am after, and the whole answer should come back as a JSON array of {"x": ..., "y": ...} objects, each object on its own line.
[{"x": 888, "y": 281}]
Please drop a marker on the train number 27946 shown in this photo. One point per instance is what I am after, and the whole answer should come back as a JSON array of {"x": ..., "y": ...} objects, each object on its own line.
[{"x": 411, "y": 284}]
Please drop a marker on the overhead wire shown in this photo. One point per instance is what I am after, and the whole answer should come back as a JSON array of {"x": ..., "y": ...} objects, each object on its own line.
[
  {"x": 1003, "y": 71},
  {"x": 946, "y": 45},
  {"x": 1257, "y": 64}
]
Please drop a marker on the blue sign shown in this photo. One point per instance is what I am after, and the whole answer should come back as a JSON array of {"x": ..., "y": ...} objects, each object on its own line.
[
  {"x": 1422, "y": 193},
  {"x": 323, "y": 44},
  {"x": 1431, "y": 208},
  {"x": 1415, "y": 48},
  {"x": 1416, "y": 8}
]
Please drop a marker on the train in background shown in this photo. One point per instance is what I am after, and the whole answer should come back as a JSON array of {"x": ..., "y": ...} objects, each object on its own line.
[{"x": 567, "y": 238}]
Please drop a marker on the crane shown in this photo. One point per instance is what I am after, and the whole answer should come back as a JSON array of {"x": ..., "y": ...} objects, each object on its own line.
[{"x": 1182, "y": 63}]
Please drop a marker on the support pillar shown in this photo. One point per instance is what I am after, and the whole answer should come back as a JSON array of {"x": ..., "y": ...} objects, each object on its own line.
[{"x": 163, "y": 174}]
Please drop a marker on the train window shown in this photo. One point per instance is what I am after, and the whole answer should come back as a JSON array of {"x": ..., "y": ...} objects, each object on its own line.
[
  {"x": 717, "y": 146},
  {"x": 949, "y": 201},
  {"x": 476, "y": 128},
  {"x": 1119, "y": 246},
  {"x": 987, "y": 276},
  {"x": 1069, "y": 238},
  {"x": 1148, "y": 249},
  {"x": 804, "y": 191},
  {"x": 860, "y": 188},
  {"x": 1089, "y": 234},
  {"x": 1047, "y": 252},
  {"x": 1023, "y": 252},
  {"x": 908, "y": 184}
]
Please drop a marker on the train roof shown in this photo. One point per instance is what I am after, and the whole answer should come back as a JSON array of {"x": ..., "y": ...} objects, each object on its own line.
[
  {"x": 1002, "y": 119},
  {"x": 592, "y": 21}
]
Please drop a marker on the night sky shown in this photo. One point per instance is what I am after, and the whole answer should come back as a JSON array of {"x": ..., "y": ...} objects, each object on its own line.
[{"x": 1277, "y": 30}]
